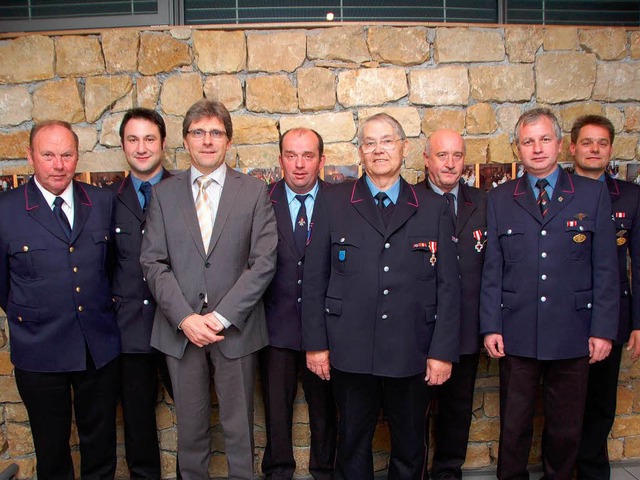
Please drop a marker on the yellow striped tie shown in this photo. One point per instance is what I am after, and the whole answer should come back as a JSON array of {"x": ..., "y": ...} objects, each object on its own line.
[{"x": 203, "y": 209}]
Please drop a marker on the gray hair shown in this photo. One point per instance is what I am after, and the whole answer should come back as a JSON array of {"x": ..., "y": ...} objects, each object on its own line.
[
  {"x": 532, "y": 116},
  {"x": 381, "y": 117}
]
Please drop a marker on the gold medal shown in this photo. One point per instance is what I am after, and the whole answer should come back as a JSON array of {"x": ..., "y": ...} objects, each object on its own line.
[
  {"x": 621, "y": 241},
  {"x": 579, "y": 238}
]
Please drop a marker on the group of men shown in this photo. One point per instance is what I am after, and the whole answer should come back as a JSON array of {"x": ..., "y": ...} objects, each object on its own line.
[{"x": 375, "y": 293}]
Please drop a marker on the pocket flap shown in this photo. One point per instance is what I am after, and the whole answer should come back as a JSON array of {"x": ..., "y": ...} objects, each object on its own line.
[{"x": 332, "y": 306}]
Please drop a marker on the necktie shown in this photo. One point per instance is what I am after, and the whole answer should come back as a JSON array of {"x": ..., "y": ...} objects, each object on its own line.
[
  {"x": 381, "y": 197},
  {"x": 145, "y": 189},
  {"x": 301, "y": 229},
  {"x": 61, "y": 216},
  {"x": 543, "y": 197},
  {"x": 451, "y": 200},
  {"x": 203, "y": 209}
]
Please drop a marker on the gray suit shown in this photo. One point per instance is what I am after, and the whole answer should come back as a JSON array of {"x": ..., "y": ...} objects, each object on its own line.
[{"x": 232, "y": 276}]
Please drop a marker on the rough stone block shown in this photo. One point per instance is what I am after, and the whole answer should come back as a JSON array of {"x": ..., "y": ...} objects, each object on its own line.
[
  {"x": 624, "y": 146},
  {"x": 491, "y": 404},
  {"x": 409, "y": 117},
  {"x": 632, "y": 447},
  {"x": 301, "y": 434},
  {"x": 485, "y": 430},
  {"x": 219, "y": 51},
  {"x": 109, "y": 135},
  {"x": 102, "y": 92},
  {"x": 338, "y": 43},
  {"x": 15, "y": 412},
  {"x": 181, "y": 33},
  {"x": 399, "y": 46},
  {"x": 568, "y": 115},
  {"x": 26, "y": 467},
  {"x": 522, "y": 43},
  {"x": 477, "y": 152},
  {"x": 448, "y": 85},
  {"x": 414, "y": 158},
  {"x": 6, "y": 367},
  {"x": 634, "y": 45},
  {"x": 120, "y": 47},
  {"x": 371, "y": 86},
  {"x": 437, "y": 118},
  {"x": 508, "y": 116},
  {"x": 624, "y": 404},
  {"x": 20, "y": 439},
  {"x": 626, "y": 427},
  {"x": 15, "y": 105},
  {"x": 606, "y": 43},
  {"x": 276, "y": 52},
  {"x": 253, "y": 130},
  {"x": 500, "y": 149},
  {"x": 70, "y": 64},
  {"x": 332, "y": 127},
  {"x": 617, "y": 82},
  {"x": 502, "y": 83},
  {"x": 179, "y": 92},
  {"x": 481, "y": 119},
  {"x": 344, "y": 153},
  {"x": 478, "y": 456},
  {"x": 58, "y": 100},
  {"x": 316, "y": 89},
  {"x": 160, "y": 52},
  {"x": 226, "y": 89},
  {"x": 37, "y": 49},
  {"x": 14, "y": 144},
  {"x": 148, "y": 90},
  {"x": 258, "y": 156},
  {"x": 632, "y": 119},
  {"x": 174, "y": 131},
  {"x": 271, "y": 94},
  {"x": 468, "y": 45},
  {"x": 560, "y": 38},
  {"x": 574, "y": 83},
  {"x": 111, "y": 160}
]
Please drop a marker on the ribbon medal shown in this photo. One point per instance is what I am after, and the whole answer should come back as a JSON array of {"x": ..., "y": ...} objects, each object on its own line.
[
  {"x": 620, "y": 215},
  {"x": 621, "y": 240},
  {"x": 477, "y": 234},
  {"x": 433, "y": 246}
]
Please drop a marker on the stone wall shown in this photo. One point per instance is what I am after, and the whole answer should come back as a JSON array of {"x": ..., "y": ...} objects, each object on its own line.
[{"x": 477, "y": 80}]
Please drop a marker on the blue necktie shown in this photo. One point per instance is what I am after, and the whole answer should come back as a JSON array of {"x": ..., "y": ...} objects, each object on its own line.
[
  {"x": 301, "y": 229},
  {"x": 61, "y": 216},
  {"x": 145, "y": 189}
]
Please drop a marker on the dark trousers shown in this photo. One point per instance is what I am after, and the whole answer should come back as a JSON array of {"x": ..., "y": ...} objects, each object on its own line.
[
  {"x": 139, "y": 394},
  {"x": 599, "y": 414},
  {"x": 564, "y": 391},
  {"x": 279, "y": 368},
  {"x": 48, "y": 400},
  {"x": 455, "y": 405},
  {"x": 405, "y": 402}
]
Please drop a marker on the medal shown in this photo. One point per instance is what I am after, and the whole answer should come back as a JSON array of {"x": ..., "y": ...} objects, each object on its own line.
[
  {"x": 477, "y": 234},
  {"x": 621, "y": 240},
  {"x": 433, "y": 246},
  {"x": 302, "y": 222},
  {"x": 571, "y": 223},
  {"x": 620, "y": 215},
  {"x": 579, "y": 238}
]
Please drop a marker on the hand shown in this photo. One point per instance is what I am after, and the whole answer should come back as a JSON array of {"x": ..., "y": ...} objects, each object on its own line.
[
  {"x": 494, "y": 345},
  {"x": 318, "y": 363},
  {"x": 202, "y": 330},
  {"x": 634, "y": 344},
  {"x": 599, "y": 349},
  {"x": 438, "y": 371}
]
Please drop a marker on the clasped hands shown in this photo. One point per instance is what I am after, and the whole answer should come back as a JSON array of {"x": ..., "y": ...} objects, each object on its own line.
[{"x": 202, "y": 330}]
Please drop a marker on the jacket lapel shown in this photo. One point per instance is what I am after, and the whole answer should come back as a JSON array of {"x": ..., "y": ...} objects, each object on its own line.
[
  {"x": 37, "y": 208},
  {"x": 562, "y": 195},
  {"x": 465, "y": 208},
  {"x": 612, "y": 186},
  {"x": 278, "y": 196},
  {"x": 363, "y": 202},
  {"x": 128, "y": 196},
  {"x": 406, "y": 206},
  {"x": 188, "y": 207},
  {"x": 523, "y": 196},
  {"x": 82, "y": 210},
  {"x": 230, "y": 191}
]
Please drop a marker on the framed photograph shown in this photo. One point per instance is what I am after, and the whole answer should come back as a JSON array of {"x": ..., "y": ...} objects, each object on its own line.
[
  {"x": 469, "y": 175},
  {"x": 519, "y": 169},
  {"x": 102, "y": 179},
  {"x": 82, "y": 177},
  {"x": 567, "y": 167},
  {"x": 21, "y": 180},
  {"x": 493, "y": 174},
  {"x": 267, "y": 174},
  {"x": 340, "y": 173},
  {"x": 613, "y": 169},
  {"x": 6, "y": 183},
  {"x": 633, "y": 172}
]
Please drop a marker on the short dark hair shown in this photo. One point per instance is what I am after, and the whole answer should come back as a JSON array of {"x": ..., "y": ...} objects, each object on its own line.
[
  {"x": 144, "y": 114},
  {"x": 597, "y": 120},
  {"x": 207, "y": 109},
  {"x": 51, "y": 123},
  {"x": 532, "y": 116},
  {"x": 300, "y": 131}
]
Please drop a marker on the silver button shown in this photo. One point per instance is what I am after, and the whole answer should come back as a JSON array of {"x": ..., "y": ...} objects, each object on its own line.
[
  {"x": 342, "y": 240},
  {"x": 626, "y": 292},
  {"x": 581, "y": 228},
  {"x": 387, "y": 245},
  {"x": 543, "y": 254},
  {"x": 145, "y": 302},
  {"x": 543, "y": 233},
  {"x": 543, "y": 276},
  {"x": 589, "y": 305},
  {"x": 543, "y": 299},
  {"x": 385, "y": 292},
  {"x": 326, "y": 310},
  {"x": 386, "y": 268},
  {"x": 299, "y": 300},
  {"x": 118, "y": 230},
  {"x": 144, "y": 279},
  {"x": 143, "y": 231},
  {"x": 299, "y": 263},
  {"x": 384, "y": 317},
  {"x": 509, "y": 232},
  {"x": 299, "y": 282}
]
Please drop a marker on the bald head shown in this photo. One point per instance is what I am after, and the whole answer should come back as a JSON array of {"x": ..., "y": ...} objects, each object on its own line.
[{"x": 444, "y": 158}]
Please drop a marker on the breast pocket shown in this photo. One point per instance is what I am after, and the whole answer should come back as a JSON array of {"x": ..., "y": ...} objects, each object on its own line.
[
  {"x": 345, "y": 253},
  {"x": 122, "y": 237},
  {"x": 100, "y": 242},
  {"x": 423, "y": 260},
  {"x": 512, "y": 241},
  {"x": 25, "y": 257},
  {"x": 579, "y": 237}
]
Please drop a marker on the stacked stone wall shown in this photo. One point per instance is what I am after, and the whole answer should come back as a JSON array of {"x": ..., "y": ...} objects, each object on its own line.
[{"x": 474, "y": 79}]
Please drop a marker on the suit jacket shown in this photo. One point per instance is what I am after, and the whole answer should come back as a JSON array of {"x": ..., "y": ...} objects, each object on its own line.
[
  {"x": 281, "y": 298},
  {"x": 470, "y": 221},
  {"x": 371, "y": 295},
  {"x": 625, "y": 202},
  {"x": 55, "y": 291},
  {"x": 134, "y": 304},
  {"x": 233, "y": 273},
  {"x": 550, "y": 284}
]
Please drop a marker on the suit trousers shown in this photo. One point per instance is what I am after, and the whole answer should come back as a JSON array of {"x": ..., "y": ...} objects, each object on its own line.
[
  {"x": 279, "y": 368},
  {"x": 48, "y": 400},
  {"x": 359, "y": 398},
  {"x": 139, "y": 394},
  {"x": 455, "y": 406},
  {"x": 564, "y": 389},
  {"x": 233, "y": 380},
  {"x": 599, "y": 414}
]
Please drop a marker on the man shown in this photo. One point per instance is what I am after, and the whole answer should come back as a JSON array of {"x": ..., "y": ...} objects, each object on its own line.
[
  {"x": 549, "y": 299},
  {"x": 293, "y": 199},
  {"x": 208, "y": 255},
  {"x": 444, "y": 159},
  {"x": 142, "y": 136},
  {"x": 591, "y": 146},
  {"x": 54, "y": 244},
  {"x": 380, "y": 269}
]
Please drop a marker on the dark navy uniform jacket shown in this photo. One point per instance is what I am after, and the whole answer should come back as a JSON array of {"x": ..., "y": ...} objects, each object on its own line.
[
  {"x": 281, "y": 298},
  {"x": 470, "y": 237},
  {"x": 55, "y": 291},
  {"x": 549, "y": 284},
  {"x": 371, "y": 294},
  {"x": 135, "y": 306},
  {"x": 625, "y": 202}
]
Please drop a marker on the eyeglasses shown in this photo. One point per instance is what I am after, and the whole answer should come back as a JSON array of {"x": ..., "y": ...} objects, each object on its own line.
[
  {"x": 387, "y": 145},
  {"x": 199, "y": 134}
]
